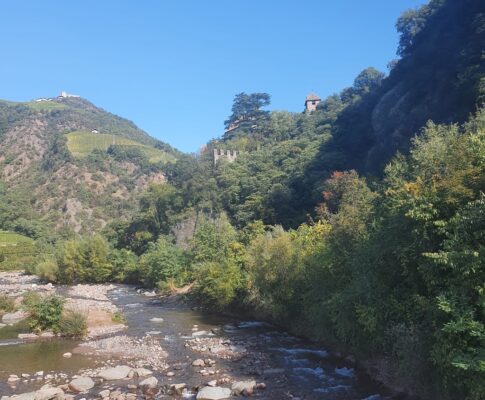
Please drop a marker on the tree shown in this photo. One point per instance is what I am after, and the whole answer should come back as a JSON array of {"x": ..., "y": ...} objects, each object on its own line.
[{"x": 247, "y": 115}]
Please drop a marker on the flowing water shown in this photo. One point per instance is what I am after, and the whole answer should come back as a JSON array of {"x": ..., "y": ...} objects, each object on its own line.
[{"x": 290, "y": 367}]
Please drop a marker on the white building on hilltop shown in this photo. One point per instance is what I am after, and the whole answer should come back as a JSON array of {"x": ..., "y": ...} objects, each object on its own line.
[{"x": 66, "y": 95}]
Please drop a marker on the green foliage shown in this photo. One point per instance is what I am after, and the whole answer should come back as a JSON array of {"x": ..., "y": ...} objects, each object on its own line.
[
  {"x": 84, "y": 260},
  {"x": 73, "y": 324},
  {"x": 45, "y": 312},
  {"x": 6, "y": 304},
  {"x": 125, "y": 266},
  {"x": 47, "y": 270},
  {"x": 162, "y": 261},
  {"x": 82, "y": 143}
]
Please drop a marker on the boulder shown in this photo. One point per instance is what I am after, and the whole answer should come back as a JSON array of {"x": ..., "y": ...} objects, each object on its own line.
[
  {"x": 213, "y": 393},
  {"x": 49, "y": 393},
  {"x": 141, "y": 372},
  {"x": 15, "y": 317},
  {"x": 27, "y": 336},
  {"x": 178, "y": 388},
  {"x": 104, "y": 394},
  {"x": 148, "y": 383},
  {"x": 23, "y": 396},
  {"x": 110, "y": 374},
  {"x": 198, "y": 363},
  {"x": 243, "y": 387},
  {"x": 82, "y": 384}
]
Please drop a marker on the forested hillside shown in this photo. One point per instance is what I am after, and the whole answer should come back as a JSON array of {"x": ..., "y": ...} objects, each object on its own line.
[{"x": 59, "y": 173}]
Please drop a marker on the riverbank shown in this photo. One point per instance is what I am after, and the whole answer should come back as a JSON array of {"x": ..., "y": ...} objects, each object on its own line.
[{"x": 168, "y": 350}]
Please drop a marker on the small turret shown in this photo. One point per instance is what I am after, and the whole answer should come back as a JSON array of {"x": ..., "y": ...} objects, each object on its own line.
[{"x": 311, "y": 102}]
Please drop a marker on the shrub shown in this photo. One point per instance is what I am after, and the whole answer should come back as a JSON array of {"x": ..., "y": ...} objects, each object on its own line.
[
  {"x": 6, "y": 304},
  {"x": 45, "y": 312},
  {"x": 162, "y": 261},
  {"x": 118, "y": 318},
  {"x": 47, "y": 270},
  {"x": 73, "y": 324}
]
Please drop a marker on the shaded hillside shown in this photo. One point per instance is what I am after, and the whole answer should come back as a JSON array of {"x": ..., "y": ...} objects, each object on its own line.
[
  {"x": 440, "y": 77},
  {"x": 63, "y": 190}
]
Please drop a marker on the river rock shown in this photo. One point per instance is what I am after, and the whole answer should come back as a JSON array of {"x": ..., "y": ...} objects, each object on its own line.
[
  {"x": 14, "y": 318},
  {"x": 178, "y": 387},
  {"x": 149, "y": 383},
  {"x": 170, "y": 374},
  {"x": 82, "y": 384},
  {"x": 104, "y": 393},
  {"x": 119, "y": 372},
  {"x": 141, "y": 372},
  {"x": 213, "y": 393},
  {"x": 198, "y": 363},
  {"x": 22, "y": 396},
  {"x": 243, "y": 387},
  {"x": 155, "y": 319},
  {"x": 67, "y": 355},
  {"x": 49, "y": 393}
]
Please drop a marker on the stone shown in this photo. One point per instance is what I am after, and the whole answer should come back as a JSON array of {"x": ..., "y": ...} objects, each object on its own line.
[
  {"x": 148, "y": 383},
  {"x": 110, "y": 374},
  {"x": 67, "y": 355},
  {"x": 170, "y": 374},
  {"x": 198, "y": 363},
  {"x": 130, "y": 396},
  {"x": 178, "y": 388},
  {"x": 23, "y": 396},
  {"x": 14, "y": 318},
  {"x": 25, "y": 375},
  {"x": 141, "y": 372},
  {"x": 213, "y": 393},
  {"x": 104, "y": 393},
  {"x": 246, "y": 387},
  {"x": 261, "y": 386},
  {"x": 12, "y": 379},
  {"x": 212, "y": 383},
  {"x": 81, "y": 384},
  {"x": 27, "y": 336},
  {"x": 156, "y": 320},
  {"x": 49, "y": 393},
  {"x": 39, "y": 373}
]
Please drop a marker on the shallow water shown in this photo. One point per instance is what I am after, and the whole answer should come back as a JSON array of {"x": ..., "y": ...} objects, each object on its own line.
[{"x": 289, "y": 366}]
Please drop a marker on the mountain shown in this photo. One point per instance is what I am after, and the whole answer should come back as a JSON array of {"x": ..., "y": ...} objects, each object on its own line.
[{"x": 71, "y": 166}]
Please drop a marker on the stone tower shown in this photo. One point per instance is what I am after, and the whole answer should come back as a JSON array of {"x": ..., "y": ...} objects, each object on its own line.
[
  {"x": 231, "y": 155},
  {"x": 311, "y": 102}
]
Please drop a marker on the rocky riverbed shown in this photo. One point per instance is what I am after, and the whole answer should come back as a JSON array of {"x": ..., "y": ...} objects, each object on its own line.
[{"x": 167, "y": 351}]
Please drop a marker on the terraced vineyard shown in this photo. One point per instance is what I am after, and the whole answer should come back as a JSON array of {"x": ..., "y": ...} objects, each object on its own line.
[{"x": 81, "y": 143}]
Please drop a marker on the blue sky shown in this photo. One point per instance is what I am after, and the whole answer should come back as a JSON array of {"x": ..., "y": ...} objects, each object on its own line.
[{"x": 173, "y": 67}]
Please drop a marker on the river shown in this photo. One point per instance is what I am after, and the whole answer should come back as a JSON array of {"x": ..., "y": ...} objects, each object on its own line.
[{"x": 290, "y": 368}]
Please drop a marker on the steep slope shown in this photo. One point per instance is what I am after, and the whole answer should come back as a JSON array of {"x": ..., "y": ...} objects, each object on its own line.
[
  {"x": 440, "y": 77},
  {"x": 68, "y": 190}
]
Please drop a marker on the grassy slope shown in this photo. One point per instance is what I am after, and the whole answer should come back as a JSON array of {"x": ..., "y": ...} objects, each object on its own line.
[
  {"x": 12, "y": 239},
  {"x": 81, "y": 143}
]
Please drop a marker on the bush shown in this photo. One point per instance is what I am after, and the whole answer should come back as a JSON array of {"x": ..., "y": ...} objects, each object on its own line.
[
  {"x": 6, "y": 304},
  {"x": 45, "y": 312},
  {"x": 73, "y": 324},
  {"x": 162, "y": 261},
  {"x": 47, "y": 270}
]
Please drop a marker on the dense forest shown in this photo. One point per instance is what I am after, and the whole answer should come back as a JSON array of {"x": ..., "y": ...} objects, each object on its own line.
[{"x": 360, "y": 224}]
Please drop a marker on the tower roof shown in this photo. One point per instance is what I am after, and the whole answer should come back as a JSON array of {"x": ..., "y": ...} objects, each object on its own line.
[{"x": 312, "y": 96}]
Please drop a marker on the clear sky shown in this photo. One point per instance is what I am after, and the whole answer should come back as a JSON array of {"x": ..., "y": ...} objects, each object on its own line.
[{"x": 173, "y": 67}]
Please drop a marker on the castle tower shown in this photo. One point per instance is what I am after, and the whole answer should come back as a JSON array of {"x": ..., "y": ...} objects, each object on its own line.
[
  {"x": 230, "y": 155},
  {"x": 311, "y": 102}
]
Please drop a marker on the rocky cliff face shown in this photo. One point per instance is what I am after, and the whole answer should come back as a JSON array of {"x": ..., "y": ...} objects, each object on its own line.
[{"x": 439, "y": 78}]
